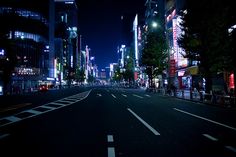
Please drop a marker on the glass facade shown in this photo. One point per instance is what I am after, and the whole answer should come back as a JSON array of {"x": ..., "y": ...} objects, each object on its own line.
[{"x": 27, "y": 31}]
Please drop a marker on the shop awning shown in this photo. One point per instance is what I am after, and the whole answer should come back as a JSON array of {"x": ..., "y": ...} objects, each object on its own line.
[{"x": 193, "y": 70}]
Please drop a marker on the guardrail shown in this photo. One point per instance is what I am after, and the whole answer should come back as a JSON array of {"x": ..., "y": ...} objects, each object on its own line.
[
  {"x": 223, "y": 100},
  {"x": 219, "y": 99}
]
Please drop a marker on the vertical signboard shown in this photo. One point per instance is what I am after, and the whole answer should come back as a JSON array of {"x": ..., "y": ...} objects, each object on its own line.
[
  {"x": 172, "y": 67},
  {"x": 231, "y": 81}
]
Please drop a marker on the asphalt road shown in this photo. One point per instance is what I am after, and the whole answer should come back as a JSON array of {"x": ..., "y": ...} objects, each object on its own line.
[{"x": 107, "y": 122}]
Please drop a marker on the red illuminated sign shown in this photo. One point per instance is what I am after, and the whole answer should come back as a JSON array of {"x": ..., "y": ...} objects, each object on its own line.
[
  {"x": 172, "y": 68},
  {"x": 135, "y": 75},
  {"x": 231, "y": 81}
]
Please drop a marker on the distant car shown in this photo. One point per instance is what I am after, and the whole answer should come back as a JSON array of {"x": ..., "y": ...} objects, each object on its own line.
[{"x": 43, "y": 88}]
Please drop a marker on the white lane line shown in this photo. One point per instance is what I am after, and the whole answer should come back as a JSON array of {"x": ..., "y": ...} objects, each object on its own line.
[
  {"x": 231, "y": 148},
  {"x": 147, "y": 95},
  {"x": 13, "y": 118},
  {"x": 110, "y": 138},
  {"x": 111, "y": 151},
  {"x": 3, "y": 136},
  {"x": 99, "y": 95},
  {"x": 210, "y": 137},
  {"x": 144, "y": 123},
  {"x": 124, "y": 95},
  {"x": 209, "y": 120},
  {"x": 137, "y": 96},
  {"x": 113, "y": 96}
]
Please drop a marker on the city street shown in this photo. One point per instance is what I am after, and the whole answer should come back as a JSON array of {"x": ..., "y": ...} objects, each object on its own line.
[{"x": 109, "y": 122}]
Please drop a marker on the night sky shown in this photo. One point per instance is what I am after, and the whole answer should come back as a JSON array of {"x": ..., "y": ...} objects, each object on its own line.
[{"x": 101, "y": 26}]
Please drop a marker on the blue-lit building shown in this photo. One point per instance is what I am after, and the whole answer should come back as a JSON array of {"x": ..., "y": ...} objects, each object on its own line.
[
  {"x": 24, "y": 40},
  {"x": 66, "y": 39}
]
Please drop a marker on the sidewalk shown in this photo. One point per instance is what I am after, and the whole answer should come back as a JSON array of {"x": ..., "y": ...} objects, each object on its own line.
[{"x": 217, "y": 100}]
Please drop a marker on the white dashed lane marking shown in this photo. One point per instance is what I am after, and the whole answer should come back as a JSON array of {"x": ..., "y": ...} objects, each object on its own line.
[
  {"x": 124, "y": 95},
  {"x": 143, "y": 122},
  {"x": 113, "y": 96},
  {"x": 210, "y": 137},
  {"x": 110, "y": 150},
  {"x": 4, "y": 136},
  {"x": 110, "y": 138},
  {"x": 231, "y": 148}
]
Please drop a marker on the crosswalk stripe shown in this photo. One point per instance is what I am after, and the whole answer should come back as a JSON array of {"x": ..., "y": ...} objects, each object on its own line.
[
  {"x": 13, "y": 118},
  {"x": 137, "y": 96},
  {"x": 33, "y": 111}
]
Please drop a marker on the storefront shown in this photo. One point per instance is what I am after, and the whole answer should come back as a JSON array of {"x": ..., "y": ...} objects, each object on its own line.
[{"x": 189, "y": 78}]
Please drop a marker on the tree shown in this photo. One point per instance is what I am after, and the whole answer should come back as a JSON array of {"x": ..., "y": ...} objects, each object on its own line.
[
  {"x": 80, "y": 75},
  {"x": 206, "y": 37},
  {"x": 128, "y": 74},
  {"x": 118, "y": 75},
  {"x": 91, "y": 78},
  {"x": 154, "y": 56}
]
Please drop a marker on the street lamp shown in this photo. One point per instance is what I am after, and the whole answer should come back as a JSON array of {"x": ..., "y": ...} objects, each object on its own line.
[{"x": 154, "y": 24}]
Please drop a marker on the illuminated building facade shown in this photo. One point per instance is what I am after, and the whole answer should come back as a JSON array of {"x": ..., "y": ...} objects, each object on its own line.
[
  {"x": 66, "y": 40},
  {"x": 181, "y": 70},
  {"x": 24, "y": 40}
]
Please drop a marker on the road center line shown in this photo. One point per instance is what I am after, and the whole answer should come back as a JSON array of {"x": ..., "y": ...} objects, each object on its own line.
[
  {"x": 144, "y": 123},
  {"x": 137, "y": 96},
  {"x": 110, "y": 138},
  {"x": 209, "y": 120},
  {"x": 210, "y": 137},
  {"x": 113, "y": 96},
  {"x": 147, "y": 95},
  {"x": 111, "y": 151}
]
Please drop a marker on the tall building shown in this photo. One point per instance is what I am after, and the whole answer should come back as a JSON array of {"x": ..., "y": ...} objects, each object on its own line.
[
  {"x": 179, "y": 66},
  {"x": 24, "y": 41},
  {"x": 67, "y": 39},
  {"x": 41, "y": 38},
  {"x": 155, "y": 13}
]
